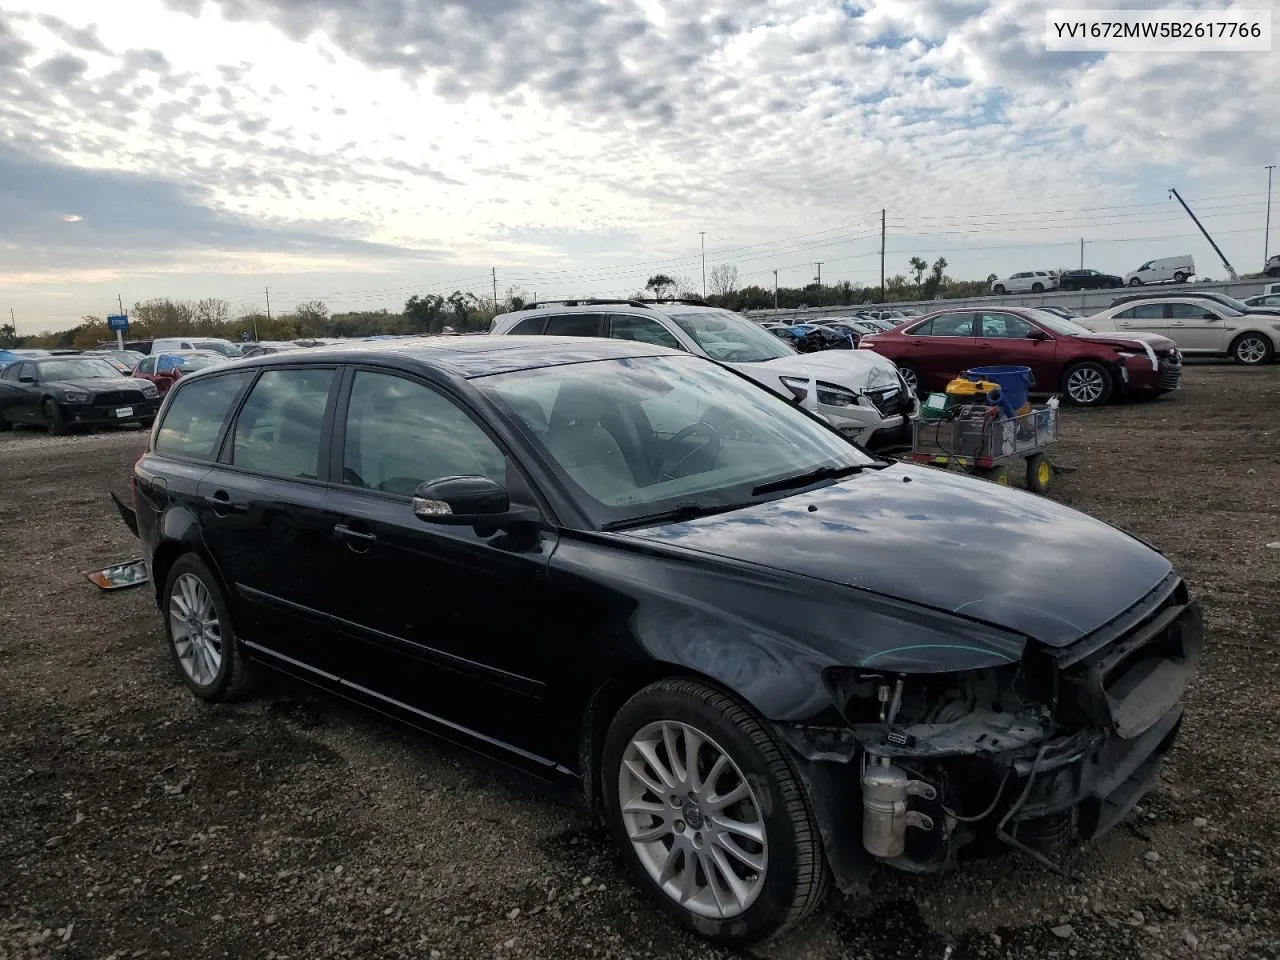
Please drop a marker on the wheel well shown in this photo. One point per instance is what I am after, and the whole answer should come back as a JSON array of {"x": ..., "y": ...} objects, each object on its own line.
[
  {"x": 167, "y": 554},
  {"x": 604, "y": 706}
]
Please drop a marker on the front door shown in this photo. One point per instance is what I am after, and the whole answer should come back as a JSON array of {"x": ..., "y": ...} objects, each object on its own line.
[
  {"x": 437, "y": 619},
  {"x": 942, "y": 348},
  {"x": 1005, "y": 338},
  {"x": 1197, "y": 328},
  {"x": 260, "y": 512}
]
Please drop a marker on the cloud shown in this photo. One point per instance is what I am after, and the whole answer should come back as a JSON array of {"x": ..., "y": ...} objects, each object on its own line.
[{"x": 61, "y": 70}]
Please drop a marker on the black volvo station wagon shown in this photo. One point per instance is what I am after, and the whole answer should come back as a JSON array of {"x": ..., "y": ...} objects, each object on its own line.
[{"x": 770, "y": 660}]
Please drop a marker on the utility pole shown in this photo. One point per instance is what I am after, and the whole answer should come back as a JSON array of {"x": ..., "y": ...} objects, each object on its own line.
[
  {"x": 120, "y": 333},
  {"x": 818, "y": 278},
  {"x": 702, "y": 235},
  {"x": 882, "y": 239},
  {"x": 495, "y": 289},
  {"x": 1266, "y": 242},
  {"x": 1082, "y": 253},
  {"x": 775, "y": 289}
]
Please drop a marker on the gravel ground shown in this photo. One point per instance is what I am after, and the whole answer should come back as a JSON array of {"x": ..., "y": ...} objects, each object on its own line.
[{"x": 138, "y": 822}]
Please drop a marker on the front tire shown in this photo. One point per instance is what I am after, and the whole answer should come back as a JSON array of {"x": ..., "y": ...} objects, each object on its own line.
[
  {"x": 53, "y": 420},
  {"x": 912, "y": 376},
  {"x": 998, "y": 289},
  {"x": 710, "y": 814},
  {"x": 1251, "y": 349},
  {"x": 1135, "y": 282},
  {"x": 202, "y": 641},
  {"x": 1087, "y": 384},
  {"x": 1037, "y": 288}
]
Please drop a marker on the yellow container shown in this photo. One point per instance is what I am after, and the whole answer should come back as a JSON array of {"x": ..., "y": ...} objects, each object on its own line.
[{"x": 970, "y": 391}]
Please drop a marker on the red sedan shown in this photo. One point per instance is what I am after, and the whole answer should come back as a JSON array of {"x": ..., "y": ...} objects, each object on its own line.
[
  {"x": 164, "y": 369},
  {"x": 1088, "y": 369}
]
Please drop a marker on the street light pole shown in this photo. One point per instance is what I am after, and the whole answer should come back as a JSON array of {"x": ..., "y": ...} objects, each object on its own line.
[
  {"x": 1082, "y": 253},
  {"x": 1266, "y": 242},
  {"x": 775, "y": 289},
  {"x": 702, "y": 235}
]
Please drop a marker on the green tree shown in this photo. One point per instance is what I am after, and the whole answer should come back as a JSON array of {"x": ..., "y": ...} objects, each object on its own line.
[
  {"x": 918, "y": 266},
  {"x": 424, "y": 314},
  {"x": 8, "y": 335},
  {"x": 661, "y": 285}
]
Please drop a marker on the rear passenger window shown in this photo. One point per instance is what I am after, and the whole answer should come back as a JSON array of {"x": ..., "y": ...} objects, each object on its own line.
[
  {"x": 575, "y": 325},
  {"x": 279, "y": 427},
  {"x": 528, "y": 326},
  {"x": 195, "y": 416},
  {"x": 401, "y": 434}
]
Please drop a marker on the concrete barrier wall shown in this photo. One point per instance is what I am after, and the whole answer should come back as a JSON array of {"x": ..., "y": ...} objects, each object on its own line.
[{"x": 1081, "y": 301}]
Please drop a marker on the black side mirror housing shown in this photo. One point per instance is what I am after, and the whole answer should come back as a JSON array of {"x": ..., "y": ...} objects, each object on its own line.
[
  {"x": 26, "y": 379},
  {"x": 1037, "y": 334},
  {"x": 468, "y": 502}
]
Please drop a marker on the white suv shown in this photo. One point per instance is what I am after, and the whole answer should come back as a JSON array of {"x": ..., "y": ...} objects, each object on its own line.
[
  {"x": 1029, "y": 281},
  {"x": 181, "y": 344},
  {"x": 858, "y": 392}
]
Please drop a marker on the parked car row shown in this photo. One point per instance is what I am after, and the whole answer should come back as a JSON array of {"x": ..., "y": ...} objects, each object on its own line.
[{"x": 1177, "y": 269}]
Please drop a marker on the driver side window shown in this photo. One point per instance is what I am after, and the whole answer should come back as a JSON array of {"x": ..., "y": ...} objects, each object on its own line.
[
  {"x": 400, "y": 434},
  {"x": 148, "y": 365},
  {"x": 1004, "y": 326}
]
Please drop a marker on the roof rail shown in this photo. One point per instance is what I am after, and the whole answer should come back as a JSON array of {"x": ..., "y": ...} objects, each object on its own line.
[{"x": 605, "y": 301}]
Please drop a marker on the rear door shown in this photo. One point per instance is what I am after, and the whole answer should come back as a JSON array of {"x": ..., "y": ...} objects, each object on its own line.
[
  {"x": 260, "y": 509},
  {"x": 1005, "y": 338},
  {"x": 942, "y": 347},
  {"x": 1196, "y": 327},
  {"x": 575, "y": 325},
  {"x": 1144, "y": 318}
]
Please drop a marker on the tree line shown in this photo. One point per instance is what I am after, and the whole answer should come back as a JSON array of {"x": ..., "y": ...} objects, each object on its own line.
[{"x": 464, "y": 311}]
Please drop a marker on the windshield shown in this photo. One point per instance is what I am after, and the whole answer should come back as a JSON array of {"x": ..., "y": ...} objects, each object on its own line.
[
  {"x": 223, "y": 347},
  {"x": 81, "y": 368},
  {"x": 1058, "y": 324},
  {"x": 190, "y": 364},
  {"x": 730, "y": 338},
  {"x": 636, "y": 437},
  {"x": 1232, "y": 306}
]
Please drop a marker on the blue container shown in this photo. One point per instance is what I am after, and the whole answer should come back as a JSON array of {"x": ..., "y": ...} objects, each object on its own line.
[{"x": 1015, "y": 383}]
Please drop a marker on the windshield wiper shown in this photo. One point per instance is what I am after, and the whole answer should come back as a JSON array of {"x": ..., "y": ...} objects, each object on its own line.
[
  {"x": 805, "y": 479},
  {"x": 681, "y": 511}
]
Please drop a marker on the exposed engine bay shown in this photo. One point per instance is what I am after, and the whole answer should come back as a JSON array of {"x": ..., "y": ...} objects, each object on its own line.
[{"x": 1034, "y": 755}]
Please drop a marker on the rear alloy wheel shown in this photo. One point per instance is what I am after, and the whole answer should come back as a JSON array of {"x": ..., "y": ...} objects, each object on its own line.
[
  {"x": 711, "y": 816},
  {"x": 1087, "y": 384},
  {"x": 1251, "y": 349},
  {"x": 202, "y": 641},
  {"x": 53, "y": 421}
]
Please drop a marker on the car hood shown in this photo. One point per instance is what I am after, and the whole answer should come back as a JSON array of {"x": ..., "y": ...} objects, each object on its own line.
[
  {"x": 857, "y": 369},
  {"x": 943, "y": 540},
  {"x": 1154, "y": 340},
  {"x": 98, "y": 384}
]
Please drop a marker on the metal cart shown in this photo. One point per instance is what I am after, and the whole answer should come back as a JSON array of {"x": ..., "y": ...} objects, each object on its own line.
[{"x": 988, "y": 447}]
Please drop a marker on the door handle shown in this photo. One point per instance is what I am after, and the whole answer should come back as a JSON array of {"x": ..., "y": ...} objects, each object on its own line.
[
  {"x": 354, "y": 536},
  {"x": 222, "y": 505},
  {"x": 984, "y": 346}
]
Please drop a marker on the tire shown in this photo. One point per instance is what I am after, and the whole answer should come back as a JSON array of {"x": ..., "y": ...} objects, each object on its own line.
[
  {"x": 794, "y": 879},
  {"x": 5, "y": 425},
  {"x": 53, "y": 421},
  {"x": 1093, "y": 383},
  {"x": 1039, "y": 473},
  {"x": 1116, "y": 284},
  {"x": 1252, "y": 349},
  {"x": 998, "y": 289},
  {"x": 231, "y": 677},
  {"x": 912, "y": 376},
  {"x": 1179, "y": 277},
  {"x": 1135, "y": 282},
  {"x": 997, "y": 474},
  {"x": 1037, "y": 288}
]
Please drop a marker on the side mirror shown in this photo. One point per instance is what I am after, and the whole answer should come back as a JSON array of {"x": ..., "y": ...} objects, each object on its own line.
[
  {"x": 26, "y": 379},
  {"x": 1210, "y": 316},
  {"x": 1037, "y": 334},
  {"x": 467, "y": 501}
]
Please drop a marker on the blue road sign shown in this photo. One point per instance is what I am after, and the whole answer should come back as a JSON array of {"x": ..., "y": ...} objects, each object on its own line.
[{"x": 118, "y": 321}]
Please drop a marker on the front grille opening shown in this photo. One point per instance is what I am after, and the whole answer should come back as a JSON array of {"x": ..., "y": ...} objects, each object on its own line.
[{"x": 1130, "y": 673}]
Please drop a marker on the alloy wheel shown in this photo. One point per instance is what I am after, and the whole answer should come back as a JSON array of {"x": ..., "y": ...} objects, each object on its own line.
[
  {"x": 911, "y": 379},
  {"x": 197, "y": 634},
  {"x": 694, "y": 822},
  {"x": 1251, "y": 350},
  {"x": 1085, "y": 385}
]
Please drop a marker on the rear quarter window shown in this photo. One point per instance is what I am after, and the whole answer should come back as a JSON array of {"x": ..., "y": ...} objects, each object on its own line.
[
  {"x": 529, "y": 326},
  {"x": 193, "y": 420}
]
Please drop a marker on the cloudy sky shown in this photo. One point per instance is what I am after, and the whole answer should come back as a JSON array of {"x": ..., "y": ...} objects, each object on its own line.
[{"x": 360, "y": 151}]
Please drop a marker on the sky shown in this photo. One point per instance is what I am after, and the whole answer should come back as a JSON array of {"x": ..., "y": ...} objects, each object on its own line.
[{"x": 359, "y": 152}]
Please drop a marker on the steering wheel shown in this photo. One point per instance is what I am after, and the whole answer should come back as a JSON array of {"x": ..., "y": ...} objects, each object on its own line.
[{"x": 700, "y": 427}]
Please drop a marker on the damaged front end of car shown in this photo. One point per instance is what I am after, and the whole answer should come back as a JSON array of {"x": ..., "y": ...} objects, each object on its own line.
[{"x": 919, "y": 768}]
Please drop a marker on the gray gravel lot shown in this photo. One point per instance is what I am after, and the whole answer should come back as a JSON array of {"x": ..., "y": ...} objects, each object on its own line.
[{"x": 138, "y": 822}]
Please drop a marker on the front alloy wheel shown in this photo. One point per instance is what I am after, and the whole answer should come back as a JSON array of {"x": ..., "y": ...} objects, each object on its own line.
[
  {"x": 1251, "y": 349},
  {"x": 911, "y": 379},
  {"x": 1087, "y": 384},
  {"x": 693, "y": 820}
]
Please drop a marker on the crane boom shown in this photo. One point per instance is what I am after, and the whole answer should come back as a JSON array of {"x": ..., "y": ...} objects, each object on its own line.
[{"x": 1231, "y": 272}]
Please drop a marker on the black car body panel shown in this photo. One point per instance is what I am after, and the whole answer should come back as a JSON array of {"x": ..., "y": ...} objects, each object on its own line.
[{"x": 808, "y": 606}]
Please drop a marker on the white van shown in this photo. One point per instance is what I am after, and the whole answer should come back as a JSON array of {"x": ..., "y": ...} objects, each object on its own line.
[{"x": 1177, "y": 269}]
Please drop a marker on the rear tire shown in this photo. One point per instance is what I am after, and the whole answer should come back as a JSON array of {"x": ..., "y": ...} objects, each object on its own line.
[
  {"x": 1179, "y": 277},
  {"x": 1252, "y": 349},
  {"x": 661, "y": 735},
  {"x": 53, "y": 421},
  {"x": 5, "y": 425},
  {"x": 1039, "y": 473},
  {"x": 1087, "y": 384},
  {"x": 1037, "y": 288},
  {"x": 1135, "y": 282},
  {"x": 202, "y": 640}
]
